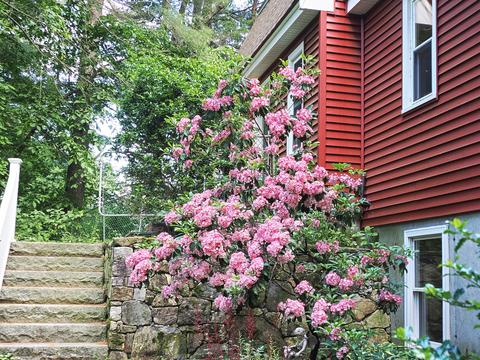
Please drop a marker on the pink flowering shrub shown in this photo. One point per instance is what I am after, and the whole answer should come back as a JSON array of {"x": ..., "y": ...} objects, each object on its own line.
[{"x": 262, "y": 221}]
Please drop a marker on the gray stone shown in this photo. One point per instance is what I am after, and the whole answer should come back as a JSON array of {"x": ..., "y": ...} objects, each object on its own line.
[
  {"x": 160, "y": 300},
  {"x": 121, "y": 293},
  {"x": 55, "y": 263},
  {"x": 118, "y": 264},
  {"x": 17, "y": 333},
  {"x": 377, "y": 320},
  {"x": 277, "y": 294},
  {"x": 117, "y": 355},
  {"x": 158, "y": 281},
  {"x": 55, "y": 351},
  {"x": 363, "y": 308},
  {"x": 48, "y": 313},
  {"x": 129, "y": 342},
  {"x": 139, "y": 294},
  {"x": 113, "y": 326},
  {"x": 379, "y": 336},
  {"x": 25, "y": 248},
  {"x": 165, "y": 315},
  {"x": 122, "y": 328},
  {"x": 115, "y": 313},
  {"x": 33, "y": 295},
  {"x": 118, "y": 281},
  {"x": 146, "y": 345},
  {"x": 53, "y": 278},
  {"x": 116, "y": 341},
  {"x": 136, "y": 313},
  {"x": 128, "y": 241},
  {"x": 193, "y": 310}
]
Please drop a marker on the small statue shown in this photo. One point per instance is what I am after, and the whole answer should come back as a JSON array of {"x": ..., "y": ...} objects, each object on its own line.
[{"x": 295, "y": 351}]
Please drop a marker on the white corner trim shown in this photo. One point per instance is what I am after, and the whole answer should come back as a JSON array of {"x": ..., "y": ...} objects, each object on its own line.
[
  {"x": 410, "y": 313},
  {"x": 293, "y": 16},
  {"x": 320, "y": 5},
  {"x": 360, "y": 7}
]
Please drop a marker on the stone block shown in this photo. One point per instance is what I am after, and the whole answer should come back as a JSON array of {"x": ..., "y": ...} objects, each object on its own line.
[
  {"x": 158, "y": 281},
  {"x": 124, "y": 329},
  {"x": 165, "y": 315},
  {"x": 379, "y": 336},
  {"x": 118, "y": 263},
  {"x": 121, "y": 293},
  {"x": 117, "y": 355},
  {"x": 136, "y": 313},
  {"x": 129, "y": 342},
  {"x": 193, "y": 310},
  {"x": 160, "y": 301},
  {"x": 127, "y": 241},
  {"x": 118, "y": 280},
  {"x": 116, "y": 341},
  {"x": 115, "y": 313},
  {"x": 377, "y": 320},
  {"x": 277, "y": 294},
  {"x": 153, "y": 343},
  {"x": 139, "y": 293},
  {"x": 363, "y": 308}
]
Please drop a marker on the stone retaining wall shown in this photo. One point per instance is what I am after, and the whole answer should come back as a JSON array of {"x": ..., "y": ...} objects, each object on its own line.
[{"x": 142, "y": 325}]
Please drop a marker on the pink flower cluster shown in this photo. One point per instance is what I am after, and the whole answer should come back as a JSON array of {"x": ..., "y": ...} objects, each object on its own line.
[
  {"x": 292, "y": 308},
  {"x": 303, "y": 287},
  {"x": 387, "y": 296},
  {"x": 321, "y": 308}
]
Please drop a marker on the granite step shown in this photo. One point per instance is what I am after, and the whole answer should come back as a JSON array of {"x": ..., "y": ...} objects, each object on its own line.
[
  {"x": 51, "y": 295},
  {"x": 55, "y": 333},
  {"x": 55, "y": 351},
  {"x": 51, "y": 313},
  {"x": 53, "y": 278},
  {"x": 54, "y": 263},
  {"x": 25, "y": 248}
]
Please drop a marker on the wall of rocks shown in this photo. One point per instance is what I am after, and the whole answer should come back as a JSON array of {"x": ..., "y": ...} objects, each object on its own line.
[{"x": 142, "y": 325}]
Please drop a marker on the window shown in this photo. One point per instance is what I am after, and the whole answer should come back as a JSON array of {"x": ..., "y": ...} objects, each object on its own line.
[
  {"x": 426, "y": 316},
  {"x": 295, "y": 61},
  {"x": 419, "y": 52}
]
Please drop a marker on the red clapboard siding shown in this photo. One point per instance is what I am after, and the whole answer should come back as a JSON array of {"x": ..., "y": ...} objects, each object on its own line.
[
  {"x": 424, "y": 163},
  {"x": 340, "y": 88}
]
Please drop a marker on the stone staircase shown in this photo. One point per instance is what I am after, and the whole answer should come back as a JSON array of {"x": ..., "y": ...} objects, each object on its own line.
[{"x": 52, "y": 303}]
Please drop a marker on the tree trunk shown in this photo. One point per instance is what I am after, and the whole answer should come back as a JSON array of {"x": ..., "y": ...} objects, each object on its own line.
[
  {"x": 75, "y": 182},
  {"x": 197, "y": 12},
  {"x": 183, "y": 6},
  {"x": 254, "y": 9}
]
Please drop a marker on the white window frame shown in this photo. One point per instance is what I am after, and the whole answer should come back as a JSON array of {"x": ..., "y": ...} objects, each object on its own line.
[
  {"x": 292, "y": 59},
  {"x": 408, "y": 47},
  {"x": 411, "y": 303}
]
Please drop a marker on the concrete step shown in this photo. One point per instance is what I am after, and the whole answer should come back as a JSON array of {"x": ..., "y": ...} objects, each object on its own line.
[
  {"x": 51, "y": 295},
  {"x": 53, "y": 278},
  {"x": 51, "y": 313},
  {"x": 54, "y": 263},
  {"x": 57, "y": 333},
  {"x": 55, "y": 351},
  {"x": 25, "y": 248}
]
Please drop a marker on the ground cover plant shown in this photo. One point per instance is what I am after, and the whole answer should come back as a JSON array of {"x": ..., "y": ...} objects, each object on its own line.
[{"x": 273, "y": 218}]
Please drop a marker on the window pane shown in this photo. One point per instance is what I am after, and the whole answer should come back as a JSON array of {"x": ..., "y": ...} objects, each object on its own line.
[
  {"x": 423, "y": 21},
  {"x": 298, "y": 64},
  {"x": 427, "y": 259},
  {"x": 422, "y": 71},
  {"x": 430, "y": 317}
]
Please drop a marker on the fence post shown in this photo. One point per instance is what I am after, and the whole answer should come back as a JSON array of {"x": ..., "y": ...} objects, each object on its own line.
[{"x": 8, "y": 214}]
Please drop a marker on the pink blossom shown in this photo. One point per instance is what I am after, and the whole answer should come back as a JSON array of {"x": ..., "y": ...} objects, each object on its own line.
[
  {"x": 217, "y": 279},
  {"x": 247, "y": 281},
  {"x": 274, "y": 248},
  {"x": 182, "y": 124},
  {"x": 133, "y": 259},
  {"x": 204, "y": 217},
  {"x": 212, "y": 243},
  {"x": 258, "y": 103},
  {"x": 342, "y": 352},
  {"x": 319, "y": 312},
  {"x": 177, "y": 152},
  {"x": 223, "y": 303},
  {"x": 342, "y": 306},
  {"x": 335, "y": 334},
  {"x": 140, "y": 272},
  {"x": 387, "y": 296},
  {"x": 352, "y": 271},
  {"x": 332, "y": 279},
  {"x": 322, "y": 247},
  {"x": 256, "y": 266},
  {"x": 286, "y": 257},
  {"x": 238, "y": 262},
  {"x": 222, "y": 135},
  {"x": 288, "y": 73},
  {"x": 188, "y": 164},
  {"x": 171, "y": 217},
  {"x": 259, "y": 203},
  {"x": 224, "y": 221},
  {"x": 292, "y": 308},
  {"x": 345, "y": 284},
  {"x": 303, "y": 287}
]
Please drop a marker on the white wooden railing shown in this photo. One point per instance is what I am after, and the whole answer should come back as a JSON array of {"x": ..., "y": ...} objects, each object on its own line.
[{"x": 8, "y": 214}]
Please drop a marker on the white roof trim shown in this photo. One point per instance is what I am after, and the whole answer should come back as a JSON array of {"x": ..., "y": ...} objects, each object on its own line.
[
  {"x": 360, "y": 7},
  {"x": 293, "y": 24}
]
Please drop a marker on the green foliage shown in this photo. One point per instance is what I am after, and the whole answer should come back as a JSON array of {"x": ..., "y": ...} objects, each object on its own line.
[{"x": 253, "y": 350}]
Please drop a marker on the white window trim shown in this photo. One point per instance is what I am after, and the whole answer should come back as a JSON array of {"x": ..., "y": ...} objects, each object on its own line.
[
  {"x": 292, "y": 59},
  {"x": 407, "y": 57},
  {"x": 411, "y": 316}
]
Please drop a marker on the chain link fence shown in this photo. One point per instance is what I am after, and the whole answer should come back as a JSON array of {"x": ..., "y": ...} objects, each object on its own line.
[{"x": 114, "y": 205}]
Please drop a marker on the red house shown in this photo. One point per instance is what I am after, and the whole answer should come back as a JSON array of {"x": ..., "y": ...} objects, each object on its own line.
[{"x": 398, "y": 95}]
